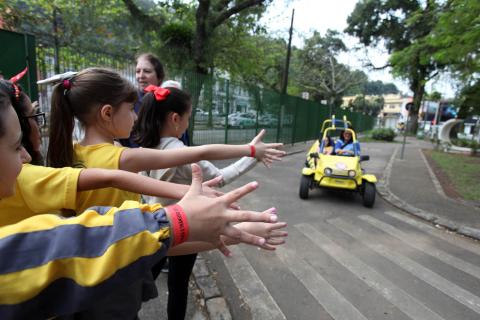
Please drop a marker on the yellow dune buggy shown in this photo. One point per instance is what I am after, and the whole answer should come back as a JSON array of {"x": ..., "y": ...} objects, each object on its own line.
[{"x": 337, "y": 171}]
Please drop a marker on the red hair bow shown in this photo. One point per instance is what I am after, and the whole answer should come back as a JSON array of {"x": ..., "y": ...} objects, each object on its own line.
[
  {"x": 19, "y": 76},
  {"x": 159, "y": 92}
]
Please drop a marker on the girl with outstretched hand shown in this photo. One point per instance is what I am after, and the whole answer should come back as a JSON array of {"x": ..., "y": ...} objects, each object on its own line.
[
  {"x": 164, "y": 115},
  {"x": 120, "y": 244}
]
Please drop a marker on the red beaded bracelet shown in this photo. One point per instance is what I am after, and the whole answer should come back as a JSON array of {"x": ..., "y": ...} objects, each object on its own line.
[
  {"x": 179, "y": 224},
  {"x": 252, "y": 150}
]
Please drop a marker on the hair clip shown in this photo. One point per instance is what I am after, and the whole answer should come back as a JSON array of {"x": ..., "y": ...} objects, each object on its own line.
[
  {"x": 58, "y": 77},
  {"x": 172, "y": 84},
  {"x": 159, "y": 92}
]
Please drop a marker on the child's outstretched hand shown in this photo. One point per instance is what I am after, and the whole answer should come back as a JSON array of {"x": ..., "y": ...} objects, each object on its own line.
[
  {"x": 208, "y": 218},
  {"x": 266, "y": 152},
  {"x": 209, "y": 191},
  {"x": 272, "y": 232}
]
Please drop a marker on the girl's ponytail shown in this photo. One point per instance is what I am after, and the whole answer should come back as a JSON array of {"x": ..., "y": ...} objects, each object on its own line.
[{"x": 62, "y": 122}]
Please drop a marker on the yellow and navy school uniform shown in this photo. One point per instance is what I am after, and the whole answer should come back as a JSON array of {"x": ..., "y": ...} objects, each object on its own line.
[
  {"x": 105, "y": 156},
  {"x": 52, "y": 266},
  {"x": 40, "y": 190}
]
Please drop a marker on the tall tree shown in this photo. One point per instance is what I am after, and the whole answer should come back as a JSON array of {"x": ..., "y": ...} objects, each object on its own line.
[
  {"x": 210, "y": 15},
  {"x": 90, "y": 25},
  {"x": 321, "y": 74},
  {"x": 456, "y": 38},
  {"x": 403, "y": 26}
]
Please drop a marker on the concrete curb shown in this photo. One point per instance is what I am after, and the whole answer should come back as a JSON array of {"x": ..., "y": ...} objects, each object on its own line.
[
  {"x": 210, "y": 298},
  {"x": 385, "y": 192}
]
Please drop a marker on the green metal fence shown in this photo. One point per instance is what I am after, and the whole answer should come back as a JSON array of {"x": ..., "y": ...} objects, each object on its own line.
[
  {"x": 231, "y": 112},
  {"x": 17, "y": 52},
  {"x": 224, "y": 111}
]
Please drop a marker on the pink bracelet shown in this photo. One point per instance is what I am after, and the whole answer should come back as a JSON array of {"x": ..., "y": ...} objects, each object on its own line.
[
  {"x": 179, "y": 224},
  {"x": 252, "y": 150}
]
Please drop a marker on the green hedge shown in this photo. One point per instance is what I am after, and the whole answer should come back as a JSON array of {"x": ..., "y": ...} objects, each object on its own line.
[{"x": 385, "y": 134}]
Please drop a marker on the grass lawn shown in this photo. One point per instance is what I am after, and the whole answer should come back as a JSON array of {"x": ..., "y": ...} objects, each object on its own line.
[{"x": 462, "y": 171}]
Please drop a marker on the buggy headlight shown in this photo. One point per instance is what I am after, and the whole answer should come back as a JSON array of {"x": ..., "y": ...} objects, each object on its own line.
[
  {"x": 352, "y": 173},
  {"x": 327, "y": 171}
]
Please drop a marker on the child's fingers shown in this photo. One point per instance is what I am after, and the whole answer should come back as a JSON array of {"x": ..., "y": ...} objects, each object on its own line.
[
  {"x": 234, "y": 206},
  {"x": 252, "y": 216},
  {"x": 275, "y": 152},
  {"x": 278, "y": 225},
  {"x": 213, "y": 182},
  {"x": 275, "y": 241},
  {"x": 274, "y": 145},
  {"x": 244, "y": 237},
  {"x": 273, "y": 157},
  {"x": 268, "y": 247},
  {"x": 278, "y": 234},
  {"x": 238, "y": 193},
  {"x": 223, "y": 249}
]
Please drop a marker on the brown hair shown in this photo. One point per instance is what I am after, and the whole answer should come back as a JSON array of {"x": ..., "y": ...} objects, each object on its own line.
[
  {"x": 153, "y": 114},
  {"x": 20, "y": 101},
  {"x": 4, "y": 104},
  {"x": 81, "y": 97}
]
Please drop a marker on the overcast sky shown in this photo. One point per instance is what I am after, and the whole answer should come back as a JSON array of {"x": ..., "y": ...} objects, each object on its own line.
[{"x": 320, "y": 15}]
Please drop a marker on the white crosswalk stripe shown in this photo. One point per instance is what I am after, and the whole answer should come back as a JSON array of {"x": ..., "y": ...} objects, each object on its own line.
[
  {"x": 254, "y": 292},
  {"x": 401, "y": 299},
  {"x": 465, "y": 244},
  {"x": 418, "y": 243},
  {"x": 449, "y": 288},
  {"x": 335, "y": 304}
]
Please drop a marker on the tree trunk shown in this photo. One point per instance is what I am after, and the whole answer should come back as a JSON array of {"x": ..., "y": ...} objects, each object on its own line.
[
  {"x": 201, "y": 37},
  {"x": 418, "y": 88}
]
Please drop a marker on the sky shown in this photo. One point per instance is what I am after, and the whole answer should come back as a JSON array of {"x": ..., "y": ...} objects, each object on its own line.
[{"x": 321, "y": 15}]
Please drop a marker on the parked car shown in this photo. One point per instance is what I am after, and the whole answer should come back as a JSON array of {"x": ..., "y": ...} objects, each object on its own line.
[
  {"x": 240, "y": 120},
  {"x": 267, "y": 120}
]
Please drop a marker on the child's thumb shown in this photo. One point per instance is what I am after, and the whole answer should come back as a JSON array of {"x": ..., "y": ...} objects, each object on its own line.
[
  {"x": 258, "y": 137},
  {"x": 197, "y": 179}
]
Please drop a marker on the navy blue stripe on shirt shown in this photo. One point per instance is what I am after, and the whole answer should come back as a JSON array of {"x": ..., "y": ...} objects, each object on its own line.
[
  {"x": 34, "y": 249},
  {"x": 64, "y": 296}
]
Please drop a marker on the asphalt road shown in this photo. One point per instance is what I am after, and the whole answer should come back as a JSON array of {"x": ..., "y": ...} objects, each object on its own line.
[{"x": 345, "y": 261}]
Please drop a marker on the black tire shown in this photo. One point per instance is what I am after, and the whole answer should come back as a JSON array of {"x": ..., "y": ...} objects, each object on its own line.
[
  {"x": 368, "y": 194},
  {"x": 305, "y": 182}
]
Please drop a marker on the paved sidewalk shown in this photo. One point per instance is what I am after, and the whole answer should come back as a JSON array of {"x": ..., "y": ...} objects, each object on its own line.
[{"x": 410, "y": 185}]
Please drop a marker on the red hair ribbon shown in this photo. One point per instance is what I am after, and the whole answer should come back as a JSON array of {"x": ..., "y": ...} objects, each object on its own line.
[
  {"x": 159, "y": 92},
  {"x": 19, "y": 76}
]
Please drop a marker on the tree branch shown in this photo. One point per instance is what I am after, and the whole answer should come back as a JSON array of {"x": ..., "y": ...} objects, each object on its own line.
[
  {"x": 146, "y": 20},
  {"x": 433, "y": 75},
  {"x": 234, "y": 10}
]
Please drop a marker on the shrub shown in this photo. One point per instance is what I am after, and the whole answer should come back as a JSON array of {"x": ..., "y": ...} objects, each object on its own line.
[
  {"x": 466, "y": 143},
  {"x": 385, "y": 134}
]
